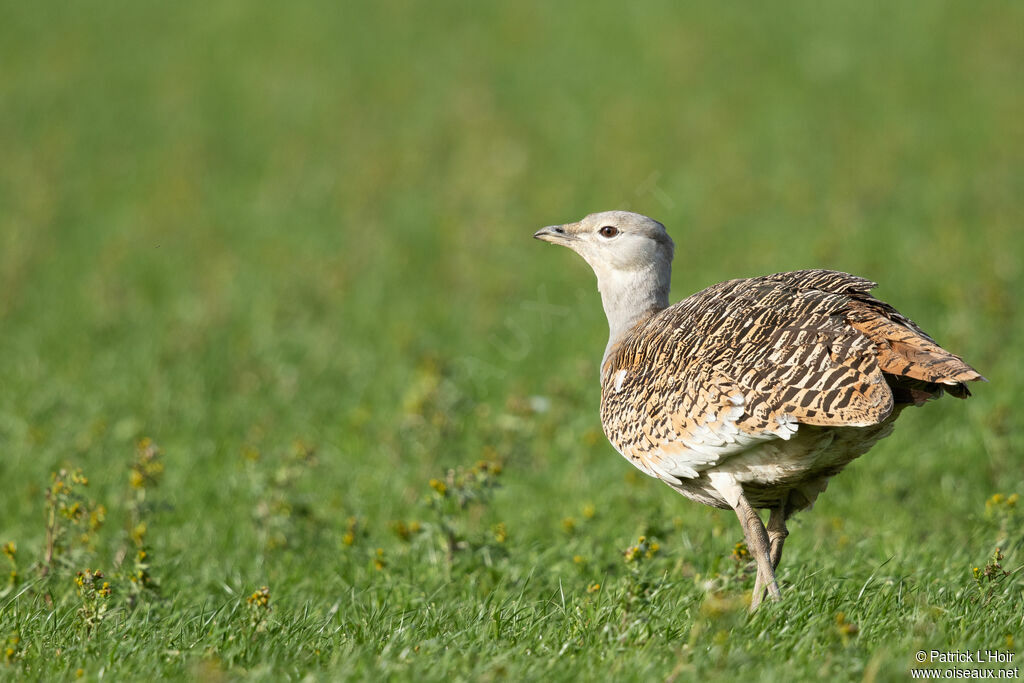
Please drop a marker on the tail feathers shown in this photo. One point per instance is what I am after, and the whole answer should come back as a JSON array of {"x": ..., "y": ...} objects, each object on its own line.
[
  {"x": 917, "y": 368},
  {"x": 917, "y": 392}
]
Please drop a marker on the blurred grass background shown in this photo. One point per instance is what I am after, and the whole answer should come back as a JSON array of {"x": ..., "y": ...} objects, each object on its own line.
[{"x": 231, "y": 225}]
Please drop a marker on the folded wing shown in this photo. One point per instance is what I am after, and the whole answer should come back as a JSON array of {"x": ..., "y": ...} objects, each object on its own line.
[{"x": 747, "y": 361}]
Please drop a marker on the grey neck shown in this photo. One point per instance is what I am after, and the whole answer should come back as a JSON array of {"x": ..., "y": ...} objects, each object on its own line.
[{"x": 630, "y": 297}]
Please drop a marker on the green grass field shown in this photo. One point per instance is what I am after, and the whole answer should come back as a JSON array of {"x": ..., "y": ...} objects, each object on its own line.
[{"x": 290, "y": 245}]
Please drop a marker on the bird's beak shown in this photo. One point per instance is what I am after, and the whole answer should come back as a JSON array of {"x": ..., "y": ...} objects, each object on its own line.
[{"x": 556, "y": 234}]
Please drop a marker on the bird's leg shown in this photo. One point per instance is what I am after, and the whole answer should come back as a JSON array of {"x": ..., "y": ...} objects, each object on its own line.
[
  {"x": 777, "y": 533},
  {"x": 759, "y": 546}
]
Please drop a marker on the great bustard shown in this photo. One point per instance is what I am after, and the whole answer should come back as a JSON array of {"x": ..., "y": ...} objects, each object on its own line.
[{"x": 752, "y": 393}]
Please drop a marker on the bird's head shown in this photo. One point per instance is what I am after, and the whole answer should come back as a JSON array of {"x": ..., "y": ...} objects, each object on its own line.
[
  {"x": 632, "y": 258},
  {"x": 615, "y": 242}
]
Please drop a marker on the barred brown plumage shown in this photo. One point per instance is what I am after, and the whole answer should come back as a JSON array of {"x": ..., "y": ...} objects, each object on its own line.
[{"x": 753, "y": 392}]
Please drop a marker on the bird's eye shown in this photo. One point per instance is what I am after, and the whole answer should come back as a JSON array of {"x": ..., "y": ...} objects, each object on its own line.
[{"x": 608, "y": 231}]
